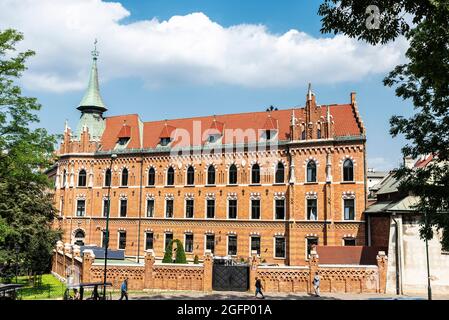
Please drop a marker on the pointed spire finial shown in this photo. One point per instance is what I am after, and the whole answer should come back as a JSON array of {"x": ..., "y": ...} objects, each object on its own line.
[
  {"x": 309, "y": 93},
  {"x": 95, "y": 52}
]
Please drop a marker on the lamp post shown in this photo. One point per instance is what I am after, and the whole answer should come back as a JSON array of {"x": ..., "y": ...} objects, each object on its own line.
[
  {"x": 106, "y": 235},
  {"x": 429, "y": 287}
]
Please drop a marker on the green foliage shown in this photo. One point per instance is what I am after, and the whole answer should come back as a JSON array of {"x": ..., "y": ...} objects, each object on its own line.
[
  {"x": 26, "y": 206},
  {"x": 424, "y": 80},
  {"x": 168, "y": 255},
  {"x": 196, "y": 260},
  {"x": 180, "y": 253}
]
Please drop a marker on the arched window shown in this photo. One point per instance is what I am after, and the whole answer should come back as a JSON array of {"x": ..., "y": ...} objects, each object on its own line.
[
  {"x": 233, "y": 174},
  {"x": 348, "y": 170},
  {"x": 311, "y": 171},
  {"x": 82, "y": 178},
  {"x": 211, "y": 175},
  {"x": 280, "y": 173},
  {"x": 64, "y": 178},
  {"x": 303, "y": 135},
  {"x": 190, "y": 176},
  {"x": 318, "y": 133},
  {"x": 255, "y": 174},
  {"x": 107, "y": 178},
  {"x": 79, "y": 238},
  {"x": 170, "y": 176},
  {"x": 124, "y": 177},
  {"x": 151, "y": 177}
]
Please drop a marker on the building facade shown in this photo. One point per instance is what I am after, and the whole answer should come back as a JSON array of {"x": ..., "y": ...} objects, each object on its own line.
[{"x": 278, "y": 182}]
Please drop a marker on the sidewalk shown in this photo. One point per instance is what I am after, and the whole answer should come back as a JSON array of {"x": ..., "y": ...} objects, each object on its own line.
[{"x": 189, "y": 295}]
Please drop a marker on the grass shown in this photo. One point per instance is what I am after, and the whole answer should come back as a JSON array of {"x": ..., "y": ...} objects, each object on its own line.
[{"x": 50, "y": 288}]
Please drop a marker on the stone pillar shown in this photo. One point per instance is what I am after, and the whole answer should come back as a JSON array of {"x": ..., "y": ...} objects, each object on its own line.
[
  {"x": 65, "y": 264},
  {"x": 382, "y": 264},
  {"x": 88, "y": 260},
  {"x": 253, "y": 264},
  {"x": 207, "y": 275},
  {"x": 148, "y": 275},
  {"x": 313, "y": 268},
  {"x": 59, "y": 252},
  {"x": 76, "y": 251}
]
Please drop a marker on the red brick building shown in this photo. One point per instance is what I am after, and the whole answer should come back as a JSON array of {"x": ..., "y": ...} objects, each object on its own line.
[{"x": 277, "y": 182}]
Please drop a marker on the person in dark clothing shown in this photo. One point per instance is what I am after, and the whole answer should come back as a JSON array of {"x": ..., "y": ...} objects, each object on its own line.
[
  {"x": 124, "y": 290},
  {"x": 259, "y": 288}
]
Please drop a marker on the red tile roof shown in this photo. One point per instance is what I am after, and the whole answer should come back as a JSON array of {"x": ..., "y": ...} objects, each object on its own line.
[
  {"x": 250, "y": 124},
  {"x": 270, "y": 124},
  {"x": 125, "y": 132}
]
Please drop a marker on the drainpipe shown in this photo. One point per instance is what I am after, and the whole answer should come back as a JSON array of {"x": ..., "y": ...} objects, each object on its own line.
[
  {"x": 140, "y": 208},
  {"x": 398, "y": 262}
]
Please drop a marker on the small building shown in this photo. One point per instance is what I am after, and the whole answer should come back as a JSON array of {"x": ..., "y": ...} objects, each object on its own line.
[{"x": 393, "y": 223}]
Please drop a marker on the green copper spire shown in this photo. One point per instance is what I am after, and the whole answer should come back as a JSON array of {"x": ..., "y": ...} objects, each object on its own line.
[{"x": 92, "y": 99}]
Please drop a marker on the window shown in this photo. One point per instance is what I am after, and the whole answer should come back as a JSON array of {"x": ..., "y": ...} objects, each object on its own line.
[
  {"x": 311, "y": 171},
  {"x": 210, "y": 242},
  {"x": 103, "y": 238},
  {"x": 232, "y": 209},
  {"x": 232, "y": 245},
  {"x": 169, "y": 208},
  {"x": 82, "y": 178},
  {"x": 312, "y": 209},
  {"x": 189, "y": 243},
  {"x": 190, "y": 176},
  {"x": 213, "y": 138},
  {"x": 349, "y": 211},
  {"x": 233, "y": 174},
  {"x": 150, "y": 208},
  {"x": 303, "y": 135},
  {"x": 107, "y": 178},
  {"x": 318, "y": 133},
  {"x": 280, "y": 173},
  {"x": 64, "y": 179},
  {"x": 122, "y": 240},
  {"x": 168, "y": 239},
  {"x": 255, "y": 209},
  {"x": 81, "y": 208},
  {"x": 79, "y": 238},
  {"x": 165, "y": 142},
  {"x": 106, "y": 211},
  {"x": 255, "y": 244},
  {"x": 210, "y": 209},
  {"x": 125, "y": 177},
  {"x": 189, "y": 208},
  {"x": 151, "y": 177},
  {"x": 349, "y": 242},
  {"x": 149, "y": 239},
  {"x": 280, "y": 209},
  {"x": 170, "y": 176},
  {"x": 211, "y": 175},
  {"x": 311, "y": 244},
  {"x": 279, "y": 247},
  {"x": 348, "y": 171},
  {"x": 269, "y": 134},
  {"x": 255, "y": 174},
  {"x": 123, "y": 207}
]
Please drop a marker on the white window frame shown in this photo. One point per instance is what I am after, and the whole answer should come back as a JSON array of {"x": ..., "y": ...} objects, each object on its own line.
[
  {"x": 274, "y": 247},
  {"x": 185, "y": 242}
]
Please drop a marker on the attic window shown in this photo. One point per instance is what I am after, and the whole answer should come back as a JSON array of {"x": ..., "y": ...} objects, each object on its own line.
[
  {"x": 214, "y": 138},
  {"x": 270, "y": 134},
  {"x": 123, "y": 141},
  {"x": 165, "y": 142}
]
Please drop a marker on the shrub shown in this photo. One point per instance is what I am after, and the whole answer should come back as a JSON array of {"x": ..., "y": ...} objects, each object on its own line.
[
  {"x": 180, "y": 253},
  {"x": 196, "y": 260},
  {"x": 168, "y": 256}
]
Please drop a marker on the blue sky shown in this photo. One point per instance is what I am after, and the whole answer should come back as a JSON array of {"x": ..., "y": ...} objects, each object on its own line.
[{"x": 170, "y": 90}]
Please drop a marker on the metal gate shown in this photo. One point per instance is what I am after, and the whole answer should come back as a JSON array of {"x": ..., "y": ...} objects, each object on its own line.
[{"x": 230, "y": 277}]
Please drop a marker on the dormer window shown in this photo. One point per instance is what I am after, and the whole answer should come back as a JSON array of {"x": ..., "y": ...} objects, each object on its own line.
[
  {"x": 123, "y": 141},
  {"x": 270, "y": 134},
  {"x": 165, "y": 142},
  {"x": 214, "y": 138}
]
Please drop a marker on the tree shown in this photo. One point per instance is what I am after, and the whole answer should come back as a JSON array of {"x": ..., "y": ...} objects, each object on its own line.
[
  {"x": 180, "y": 253},
  {"x": 168, "y": 255},
  {"x": 196, "y": 260},
  {"x": 26, "y": 206},
  {"x": 423, "y": 79}
]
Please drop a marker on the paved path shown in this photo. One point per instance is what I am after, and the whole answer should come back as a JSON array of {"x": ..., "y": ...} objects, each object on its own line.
[{"x": 189, "y": 295}]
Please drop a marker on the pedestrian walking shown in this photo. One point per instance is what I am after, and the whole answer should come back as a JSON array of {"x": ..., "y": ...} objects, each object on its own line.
[
  {"x": 316, "y": 284},
  {"x": 259, "y": 288},
  {"x": 124, "y": 289}
]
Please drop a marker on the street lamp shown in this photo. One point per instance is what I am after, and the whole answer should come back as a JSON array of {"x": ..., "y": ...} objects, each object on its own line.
[
  {"x": 106, "y": 235},
  {"x": 429, "y": 287}
]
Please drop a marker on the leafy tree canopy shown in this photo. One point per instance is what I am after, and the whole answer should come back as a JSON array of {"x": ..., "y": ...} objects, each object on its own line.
[
  {"x": 26, "y": 206},
  {"x": 424, "y": 80}
]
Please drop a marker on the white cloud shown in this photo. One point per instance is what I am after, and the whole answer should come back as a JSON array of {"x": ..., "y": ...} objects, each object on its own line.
[
  {"x": 382, "y": 164},
  {"x": 189, "y": 48}
]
